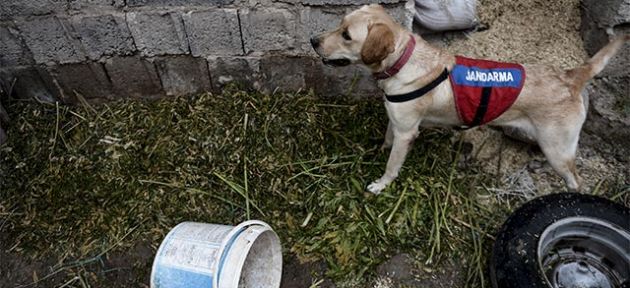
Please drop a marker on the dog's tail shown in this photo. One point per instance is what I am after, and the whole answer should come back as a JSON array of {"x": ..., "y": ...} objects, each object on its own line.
[{"x": 597, "y": 63}]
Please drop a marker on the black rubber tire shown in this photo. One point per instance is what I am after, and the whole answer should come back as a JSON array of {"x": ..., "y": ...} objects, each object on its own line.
[{"x": 514, "y": 260}]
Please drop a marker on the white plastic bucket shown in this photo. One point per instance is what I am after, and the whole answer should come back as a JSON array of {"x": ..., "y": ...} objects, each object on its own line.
[{"x": 205, "y": 255}]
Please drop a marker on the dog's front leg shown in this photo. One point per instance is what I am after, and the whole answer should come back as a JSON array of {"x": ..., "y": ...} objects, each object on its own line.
[
  {"x": 389, "y": 137},
  {"x": 401, "y": 145}
]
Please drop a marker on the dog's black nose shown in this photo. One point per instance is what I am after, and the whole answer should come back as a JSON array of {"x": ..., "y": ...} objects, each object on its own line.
[{"x": 315, "y": 41}]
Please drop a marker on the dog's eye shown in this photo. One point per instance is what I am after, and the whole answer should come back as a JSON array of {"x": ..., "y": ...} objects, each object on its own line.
[{"x": 345, "y": 35}]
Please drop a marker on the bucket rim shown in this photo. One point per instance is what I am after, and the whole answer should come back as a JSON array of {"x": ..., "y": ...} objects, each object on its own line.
[
  {"x": 225, "y": 248},
  {"x": 241, "y": 252}
]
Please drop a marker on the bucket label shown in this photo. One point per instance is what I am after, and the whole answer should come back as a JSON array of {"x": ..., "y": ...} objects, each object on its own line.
[
  {"x": 194, "y": 247},
  {"x": 194, "y": 256},
  {"x": 178, "y": 278}
]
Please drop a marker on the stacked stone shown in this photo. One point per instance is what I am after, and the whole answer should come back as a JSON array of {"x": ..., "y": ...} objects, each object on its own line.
[
  {"x": 609, "y": 113},
  {"x": 108, "y": 49}
]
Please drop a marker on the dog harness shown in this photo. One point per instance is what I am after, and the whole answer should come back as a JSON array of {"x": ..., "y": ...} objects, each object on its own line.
[
  {"x": 483, "y": 89},
  {"x": 420, "y": 92}
]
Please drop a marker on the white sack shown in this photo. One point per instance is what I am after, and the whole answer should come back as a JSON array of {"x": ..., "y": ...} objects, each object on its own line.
[{"x": 442, "y": 15}]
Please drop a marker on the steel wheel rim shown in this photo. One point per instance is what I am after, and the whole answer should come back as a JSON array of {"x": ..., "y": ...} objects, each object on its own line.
[{"x": 585, "y": 252}]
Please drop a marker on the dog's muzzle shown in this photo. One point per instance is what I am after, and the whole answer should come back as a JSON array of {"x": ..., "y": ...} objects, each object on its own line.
[
  {"x": 337, "y": 62},
  {"x": 315, "y": 42}
]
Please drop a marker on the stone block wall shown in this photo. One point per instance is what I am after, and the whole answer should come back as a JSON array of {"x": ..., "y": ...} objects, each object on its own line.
[
  {"x": 609, "y": 112},
  {"x": 110, "y": 49}
]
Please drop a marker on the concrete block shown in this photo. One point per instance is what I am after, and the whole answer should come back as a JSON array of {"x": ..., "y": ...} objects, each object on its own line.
[
  {"x": 28, "y": 82},
  {"x": 593, "y": 35},
  {"x": 268, "y": 29},
  {"x": 13, "y": 51},
  {"x": 183, "y": 75},
  {"x": 213, "y": 32},
  {"x": 51, "y": 41},
  {"x": 403, "y": 13},
  {"x": 346, "y": 2},
  {"x": 133, "y": 77},
  {"x": 286, "y": 73},
  {"x": 608, "y": 115},
  {"x": 353, "y": 81},
  {"x": 606, "y": 13},
  {"x": 87, "y": 79},
  {"x": 244, "y": 71},
  {"x": 104, "y": 35},
  {"x": 134, "y": 3},
  {"x": 14, "y": 8},
  {"x": 315, "y": 20},
  {"x": 95, "y": 4},
  {"x": 158, "y": 33}
]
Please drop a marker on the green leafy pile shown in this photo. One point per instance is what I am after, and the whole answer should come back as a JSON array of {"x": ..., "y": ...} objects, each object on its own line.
[{"x": 79, "y": 182}]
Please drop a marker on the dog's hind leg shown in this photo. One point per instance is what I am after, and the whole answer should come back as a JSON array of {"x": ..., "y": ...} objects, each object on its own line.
[{"x": 559, "y": 144}]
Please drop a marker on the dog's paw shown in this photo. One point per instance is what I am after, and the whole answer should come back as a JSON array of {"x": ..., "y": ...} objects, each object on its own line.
[{"x": 376, "y": 187}]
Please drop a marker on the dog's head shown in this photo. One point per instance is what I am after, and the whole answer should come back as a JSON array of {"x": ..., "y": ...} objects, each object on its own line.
[{"x": 367, "y": 35}]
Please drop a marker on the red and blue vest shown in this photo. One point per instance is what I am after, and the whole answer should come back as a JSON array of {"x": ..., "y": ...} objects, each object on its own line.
[{"x": 484, "y": 89}]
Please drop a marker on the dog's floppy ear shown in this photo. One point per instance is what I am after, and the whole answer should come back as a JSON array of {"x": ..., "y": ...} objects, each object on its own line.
[{"x": 378, "y": 44}]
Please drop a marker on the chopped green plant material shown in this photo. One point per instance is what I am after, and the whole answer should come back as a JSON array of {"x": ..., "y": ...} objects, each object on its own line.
[{"x": 79, "y": 183}]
